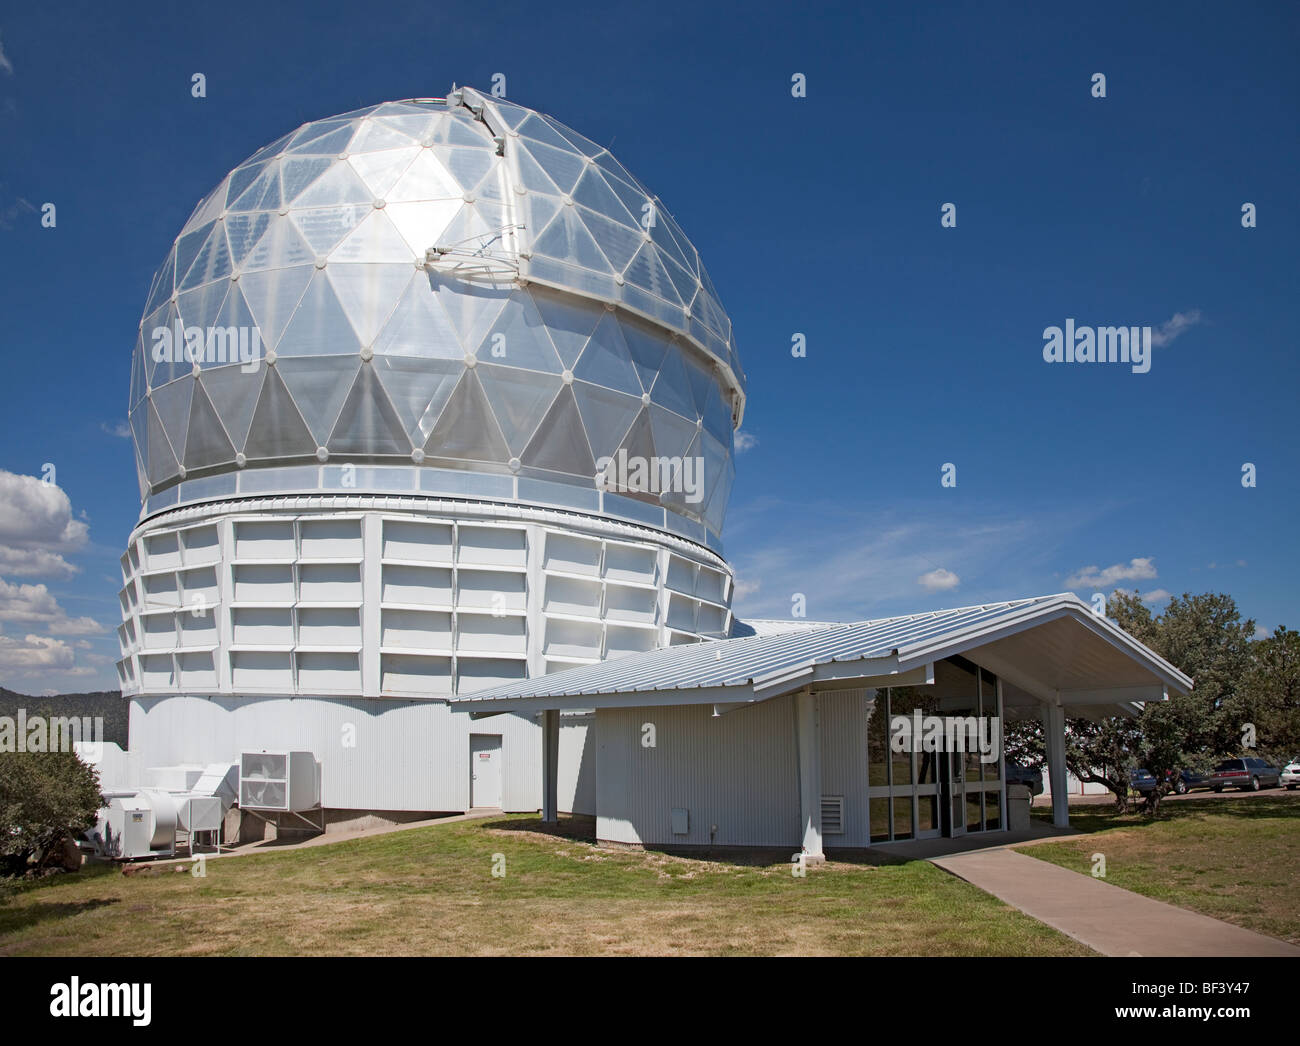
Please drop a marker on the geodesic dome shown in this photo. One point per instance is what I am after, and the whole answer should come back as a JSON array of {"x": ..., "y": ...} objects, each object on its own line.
[{"x": 456, "y": 284}]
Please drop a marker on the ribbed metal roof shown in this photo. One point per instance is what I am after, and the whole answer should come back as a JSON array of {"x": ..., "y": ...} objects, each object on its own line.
[{"x": 759, "y": 660}]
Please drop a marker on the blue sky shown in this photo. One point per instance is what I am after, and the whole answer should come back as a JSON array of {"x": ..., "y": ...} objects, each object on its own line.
[{"x": 818, "y": 215}]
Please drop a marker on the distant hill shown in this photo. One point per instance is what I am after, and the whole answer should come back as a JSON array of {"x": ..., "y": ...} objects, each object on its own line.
[{"x": 108, "y": 704}]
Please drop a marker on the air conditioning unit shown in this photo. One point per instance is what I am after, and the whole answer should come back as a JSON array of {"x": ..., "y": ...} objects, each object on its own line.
[
  {"x": 279, "y": 781},
  {"x": 201, "y": 813},
  {"x": 139, "y": 824}
]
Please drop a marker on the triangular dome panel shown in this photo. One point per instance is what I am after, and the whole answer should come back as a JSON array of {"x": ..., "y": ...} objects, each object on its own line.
[
  {"x": 277, "y": 429},
  {"x": 324, "y": 227},
  {"x": 162, "y": 464},
  {"x": 368, "y": 424},
  {"x": 518, "y": 338},
  {"x": 467, "y": 428},
  {"x": 424, "y": 178},
  {"x": 319, "y": 385},
  {"x": 607, "y": 360},
  {"x": 519, "y": 399},
  {"x": 560, "y": 443},
  {"x": 234, "y": 394},
  {"x": 319, "y": 326},
  {"x": 369, "y": 294},
  {"x": 419, "y": 390},
  {"x": 607, "y": 416},
  {"x": 272, "y": 296},
  {"x": 206, "y": 442},
  {"x": 171, "y": 403},
  {"x": 569, "y": 322},
  {"x": 419, "y": 326}
]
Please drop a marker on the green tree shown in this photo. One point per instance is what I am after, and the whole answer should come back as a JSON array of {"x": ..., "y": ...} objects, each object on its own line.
[
  {"x": 1270, "y": 695},
  {"x": 1205, "y": 637},
  {"x": 44, "y": 796}
]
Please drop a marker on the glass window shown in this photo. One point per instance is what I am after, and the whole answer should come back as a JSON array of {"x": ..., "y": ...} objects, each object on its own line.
[
  {"x": 902, "y": 817},
  {"x": 927, "y": 767},
  {"x": 878, "y": 811},
  {"x": 974, "y": 768},
  {"x": 927, "y": 813},
  {"x": 973, "y": 821},
  {"x": 878, "y": 743},
  {"x": 901, "y": 773},
  {"x": 992, "y": 811}
]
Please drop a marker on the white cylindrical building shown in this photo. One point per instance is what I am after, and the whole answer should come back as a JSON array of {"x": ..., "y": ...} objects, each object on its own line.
[{"x": 426, "y": 397}]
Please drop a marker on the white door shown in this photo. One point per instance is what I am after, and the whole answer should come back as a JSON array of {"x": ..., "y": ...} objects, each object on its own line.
[{"x": 485, "y": 770}]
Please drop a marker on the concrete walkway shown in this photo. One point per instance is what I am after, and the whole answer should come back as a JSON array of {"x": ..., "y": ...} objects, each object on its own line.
[{"x": 1106, "y": 918}]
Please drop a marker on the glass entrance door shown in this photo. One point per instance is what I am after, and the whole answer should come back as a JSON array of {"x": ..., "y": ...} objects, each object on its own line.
[
  {"x": 955, "y": 797},
  {"x": 919, "y": 794}
]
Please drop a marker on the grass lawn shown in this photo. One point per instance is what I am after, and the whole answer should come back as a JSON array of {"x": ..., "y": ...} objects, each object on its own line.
[
  {"x": 1233, "y": 859},
  {"x": 430, "y": 891}
]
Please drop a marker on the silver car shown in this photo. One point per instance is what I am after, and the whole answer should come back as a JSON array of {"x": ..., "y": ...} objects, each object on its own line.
[
  {"x": 1249, "y": 774},
  {"x": 1291, "y": 774}
]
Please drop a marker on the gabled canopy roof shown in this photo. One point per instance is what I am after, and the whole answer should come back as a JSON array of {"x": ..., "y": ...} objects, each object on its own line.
[{"x": 1049, "y": 648}]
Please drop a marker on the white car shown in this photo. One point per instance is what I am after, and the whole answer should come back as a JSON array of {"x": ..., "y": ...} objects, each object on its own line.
[{"x": 1291, "y": 774}]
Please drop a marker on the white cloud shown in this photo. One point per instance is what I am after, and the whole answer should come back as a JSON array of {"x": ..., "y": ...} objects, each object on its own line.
[
  {"x": 744, "y": 588},
  {"x": 34, "y": 562},
  {"x": 1174, "y": 326},
  {"x": 1261, "y": 633},
  {"x": 34, "y": 652},
  {"x": 35, "y": 605},
  {"x": 938, "y": 580},
  {"x": 37, "y": 527},
  {"x": 1158, "y": 595},
  {"x": 1141, "y": 569},
  {"x": 120, "y": 429},
  {"x": 745, "y": 441},
  {"x": 5, "y": 64}
]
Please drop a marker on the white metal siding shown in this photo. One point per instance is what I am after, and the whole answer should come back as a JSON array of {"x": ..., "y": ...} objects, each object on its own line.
[
  {"x": 737, "y": 771},
  {"x": 577, "y": 764},
  {"x": 843, "y": 716}
]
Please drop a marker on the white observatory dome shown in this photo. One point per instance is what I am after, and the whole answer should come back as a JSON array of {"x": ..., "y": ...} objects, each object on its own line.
[{"x": 461, "y": 289}]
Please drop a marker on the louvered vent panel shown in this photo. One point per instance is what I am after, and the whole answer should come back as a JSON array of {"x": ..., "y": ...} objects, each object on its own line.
[{"x": 832, "y": 815}]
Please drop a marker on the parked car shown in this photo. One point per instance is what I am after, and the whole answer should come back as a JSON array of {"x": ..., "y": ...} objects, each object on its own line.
[
  {"x": 1185, "y": 780},
  {"x": 1291, "y": 774},
  {"x": 1142, "y": 781},
  {"x": 1024, "y": 775},
  {"x": 1248, "y": 774}
]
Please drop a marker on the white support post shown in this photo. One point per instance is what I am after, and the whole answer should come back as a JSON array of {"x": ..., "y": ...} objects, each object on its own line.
[
  {"x": 808, "y": 740},
  {"x": 551, "y": 766},
  {"x": 1054, "y": 735}
]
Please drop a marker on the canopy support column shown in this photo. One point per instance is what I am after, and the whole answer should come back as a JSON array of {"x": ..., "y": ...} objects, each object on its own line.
[
  {"x": 551, "y": 766},
  {"x": 808, "y": 739},
  {"x": 1054, "y": 735}
]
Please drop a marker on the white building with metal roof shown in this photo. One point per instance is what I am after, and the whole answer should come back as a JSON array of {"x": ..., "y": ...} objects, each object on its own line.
[{"x": 784, "y": 738}]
